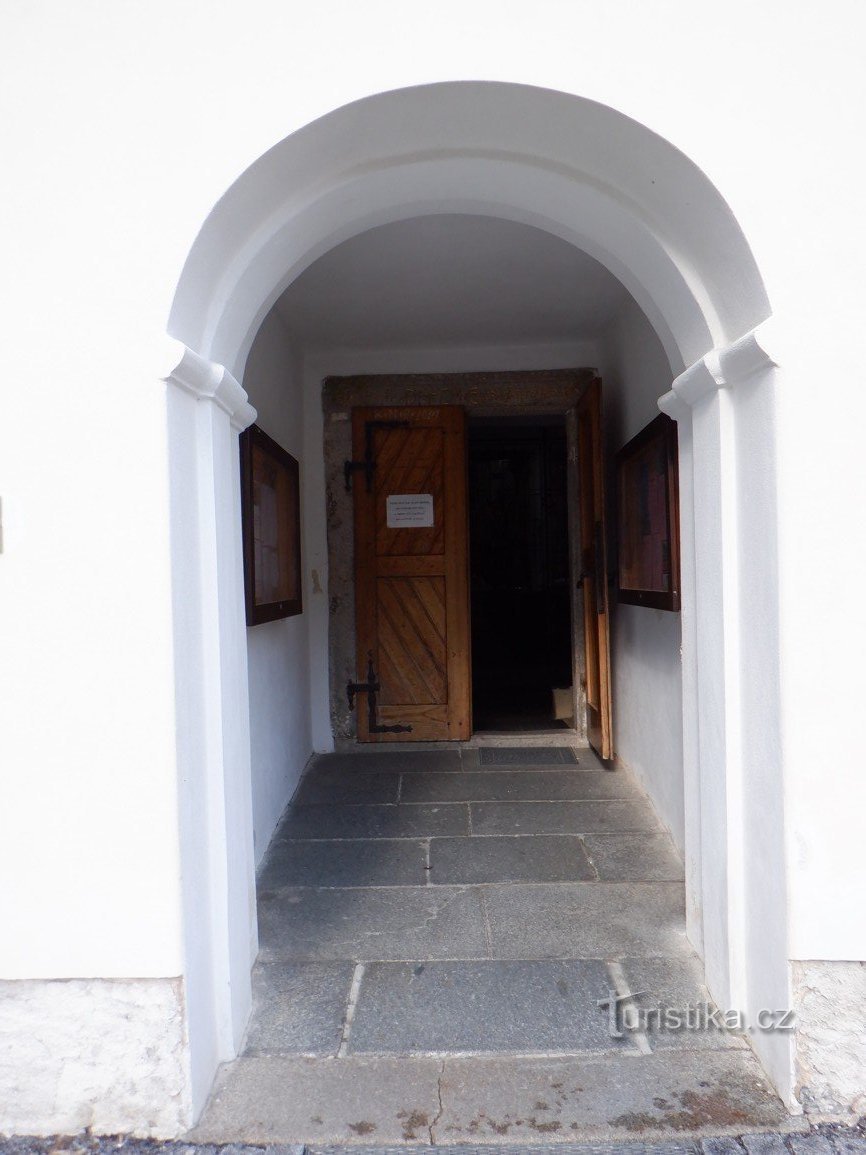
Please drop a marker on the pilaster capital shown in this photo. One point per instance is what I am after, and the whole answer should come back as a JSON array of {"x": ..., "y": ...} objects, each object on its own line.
[
  {"x": 207, "y": 381},
  {"x": 722, "y": 368}
]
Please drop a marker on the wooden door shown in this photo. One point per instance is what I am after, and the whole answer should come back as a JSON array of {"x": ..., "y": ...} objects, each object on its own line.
[
  {"x": 411, "y": 574},
  {"x": 593, "y": 577}
]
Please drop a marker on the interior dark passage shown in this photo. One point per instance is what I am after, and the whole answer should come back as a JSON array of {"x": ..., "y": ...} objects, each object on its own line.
[{"x": 519, "y": 557}]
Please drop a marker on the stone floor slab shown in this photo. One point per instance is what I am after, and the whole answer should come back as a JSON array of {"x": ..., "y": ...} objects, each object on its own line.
[
  {"x": 414, "y": 820},
  {"x": 561, "y": 817},
  {"x": 514, "y": 786},
  {"x": 634, "y": 857},
  {"x": 272, "y": 1099},
  {"x": 388, "y": 761},
  {"x": 587, "y": 920},
  {"x": 519, "y": 1100},
  {"x": 365, "y": 862},
  {"x": 342, "y": 786},
  {"x": 391, "y": 924},
  {"x": 387, "y": 1100},
  {"x": 298, "y": 1008},
  {"x": 418, "y": 1008},
  {"x": 555, "y": 858},
  {"x": 676, "y": 985}
]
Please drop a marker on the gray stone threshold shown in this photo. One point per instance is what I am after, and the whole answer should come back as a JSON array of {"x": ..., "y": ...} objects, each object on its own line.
[{"x": 403, "y": 1101}]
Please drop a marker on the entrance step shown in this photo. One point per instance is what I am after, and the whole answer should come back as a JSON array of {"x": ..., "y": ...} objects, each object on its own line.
[
  {"x": 411, "y": 1101},
  {"x": 516, "y": 1007}
]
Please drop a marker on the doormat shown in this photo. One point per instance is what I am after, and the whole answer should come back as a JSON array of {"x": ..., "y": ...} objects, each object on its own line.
[{"x": 526, "y": 755}]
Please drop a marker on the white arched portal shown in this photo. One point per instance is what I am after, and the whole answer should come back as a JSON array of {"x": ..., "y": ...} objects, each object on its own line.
[
  {"x": 628, "y": 198},
  {"x": 559, "y": 162}
]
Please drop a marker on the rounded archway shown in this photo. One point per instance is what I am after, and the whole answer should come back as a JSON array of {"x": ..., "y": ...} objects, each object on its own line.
[
  {"x": 568, "y": 165},
  {"x": 629, "y": 199}
]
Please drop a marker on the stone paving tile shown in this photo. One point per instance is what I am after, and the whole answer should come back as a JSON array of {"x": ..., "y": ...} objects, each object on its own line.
[
  {"x": 634, "y": 857},
  {"x": 560, "y": 817},
  {"x": 417, "y": 1008},
  {"x": 283, "y": 1099},
  {"x": 387, "y": 761},
  {"x": 587, "y": 920},
  {"x": 676, "y": 984},
  {"x": 298, "y": 1007},
  {"x": 396, "y": 1100},
  {"x": 605, "y": 1097},
  {"x": 391, "y": 924},
  {"x": 370, "y": 862},
  {"x": 515, "y": 786},
  {"x": 341, "y": 786},
  {"x": 414, "y": 820},
  {"x": 557, "y": 858}
]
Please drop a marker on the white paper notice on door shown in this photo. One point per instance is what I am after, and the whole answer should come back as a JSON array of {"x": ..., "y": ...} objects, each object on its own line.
[{"x": 409, "y": 510}]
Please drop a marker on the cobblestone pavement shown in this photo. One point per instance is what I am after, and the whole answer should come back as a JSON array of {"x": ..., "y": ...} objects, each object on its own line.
[{"x": 825, "y": 1139}]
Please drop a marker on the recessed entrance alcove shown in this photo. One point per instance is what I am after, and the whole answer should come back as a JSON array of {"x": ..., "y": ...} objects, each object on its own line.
[{"x": 458, "y": 254}]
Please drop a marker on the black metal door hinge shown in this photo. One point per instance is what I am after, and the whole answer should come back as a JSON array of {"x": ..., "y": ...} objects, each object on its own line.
[
  {"x": 371, "y": 688},
  {"x": 369, "y": 463}
]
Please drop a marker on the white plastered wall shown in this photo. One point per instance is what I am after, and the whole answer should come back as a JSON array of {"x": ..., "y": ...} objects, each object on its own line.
[
  {"x": 105, "y": 196},
  {"x": 645, "y": 643},
  {"x": 731, "y": 732},
  {"x": 278, "y": 652}
]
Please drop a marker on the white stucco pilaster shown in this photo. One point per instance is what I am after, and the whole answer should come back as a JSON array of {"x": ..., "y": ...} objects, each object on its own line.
[
  {"x": 724, "y": 405},
  {"x": 680, "y": 411},
  {"x": 206, "y": 409}
]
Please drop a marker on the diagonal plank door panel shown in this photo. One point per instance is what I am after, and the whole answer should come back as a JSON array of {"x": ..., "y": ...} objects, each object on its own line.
[
  {"x": 411, "y": 582},
  {"x": 412, "y": 641},
  {"x": 410, "y": 461}
]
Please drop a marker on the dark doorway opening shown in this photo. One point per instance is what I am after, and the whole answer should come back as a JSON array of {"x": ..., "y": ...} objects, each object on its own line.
[{"x": 519, "y": 558}]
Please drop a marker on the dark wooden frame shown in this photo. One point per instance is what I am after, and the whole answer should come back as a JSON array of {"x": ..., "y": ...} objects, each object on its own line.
[
  {"x": 253, "y": 442},
  {"x": 659, "y": 438}
]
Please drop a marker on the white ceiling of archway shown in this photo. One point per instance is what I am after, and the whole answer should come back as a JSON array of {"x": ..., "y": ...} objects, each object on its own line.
[{"x": 452, "y": 280}]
